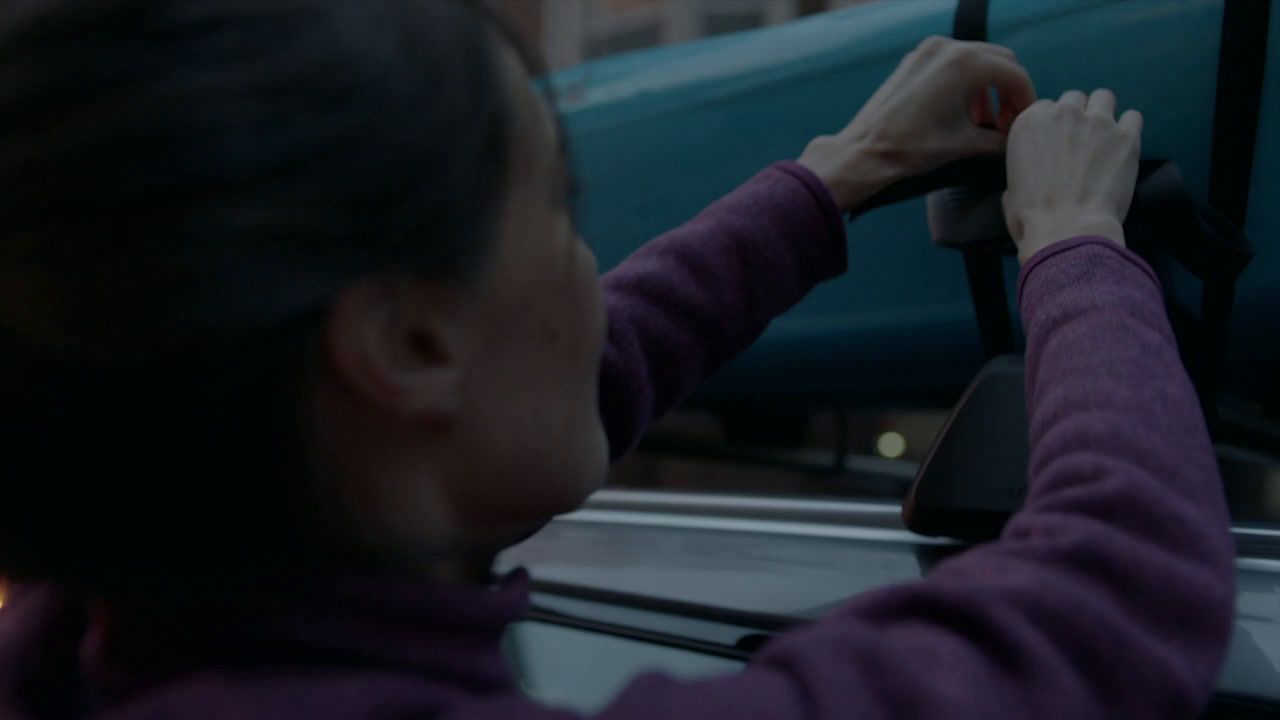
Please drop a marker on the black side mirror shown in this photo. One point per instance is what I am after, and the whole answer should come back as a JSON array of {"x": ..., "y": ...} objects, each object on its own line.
[{"x": 975, "y": 475}]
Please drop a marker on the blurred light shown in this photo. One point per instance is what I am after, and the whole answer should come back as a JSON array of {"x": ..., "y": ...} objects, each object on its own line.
[
  {"x": 891, "y": 444},
  {"x": 2, "y": 589}
]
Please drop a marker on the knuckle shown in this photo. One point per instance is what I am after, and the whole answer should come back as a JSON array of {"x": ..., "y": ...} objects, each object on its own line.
[
  {"x": 1038, "y": 111},
  {"x": 963, "y": 58},
  {"x": 933, "y": 44},
  {"x": 1028, "y": 118},
  {"x": 995, "y": 49},
  {"x": 1131, "y": 123}
]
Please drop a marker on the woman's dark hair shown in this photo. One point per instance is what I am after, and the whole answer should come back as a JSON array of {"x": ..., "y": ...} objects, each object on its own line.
[{"x": 184, "y": 185}]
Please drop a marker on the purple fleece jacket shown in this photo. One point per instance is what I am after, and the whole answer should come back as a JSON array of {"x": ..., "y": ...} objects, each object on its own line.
[{"x": 1109, "y": 595}]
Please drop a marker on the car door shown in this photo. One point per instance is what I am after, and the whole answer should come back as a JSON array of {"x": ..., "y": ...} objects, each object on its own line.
[{"x": 692, "y": 584}]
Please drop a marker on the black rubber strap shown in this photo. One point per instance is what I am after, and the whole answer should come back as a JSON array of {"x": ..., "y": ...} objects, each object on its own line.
[
  {"x": 1242, "y": 57},
  {"x": 970, "y": 22},
  {"x": 985, "y": 269}
]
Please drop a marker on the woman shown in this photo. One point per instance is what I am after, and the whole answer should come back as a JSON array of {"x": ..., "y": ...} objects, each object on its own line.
[{"x": 299, "y": 335}]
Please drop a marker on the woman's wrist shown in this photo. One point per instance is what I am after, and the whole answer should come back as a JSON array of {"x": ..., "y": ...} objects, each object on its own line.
[
  {"x": 1041, "y": 232},
  {"x": 852, "y": 172}
]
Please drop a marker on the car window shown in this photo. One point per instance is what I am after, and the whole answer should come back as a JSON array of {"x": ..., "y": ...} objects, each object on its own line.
[{"x": 845, "y": 394}]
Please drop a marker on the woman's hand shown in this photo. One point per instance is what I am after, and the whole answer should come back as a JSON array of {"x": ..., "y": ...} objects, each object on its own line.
[
  {"x": 1072, "y": 170},
  {"x": 935, "y": 108}
]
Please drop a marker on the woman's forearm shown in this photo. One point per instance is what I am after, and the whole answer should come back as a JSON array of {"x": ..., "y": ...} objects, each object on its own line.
[{"x": 686, "y": 303}]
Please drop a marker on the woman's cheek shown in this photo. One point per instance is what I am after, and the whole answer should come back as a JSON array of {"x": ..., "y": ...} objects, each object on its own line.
[{"x": 590, "y": 279}]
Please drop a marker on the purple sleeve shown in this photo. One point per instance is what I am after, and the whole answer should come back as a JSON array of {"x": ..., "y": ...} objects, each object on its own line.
[
  {"x": 689, "y": 301},
  {"x": 1109, "y": 595}
]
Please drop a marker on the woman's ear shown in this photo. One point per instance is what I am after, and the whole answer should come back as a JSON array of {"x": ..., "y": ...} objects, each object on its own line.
[{"x": 397, "y": 344}]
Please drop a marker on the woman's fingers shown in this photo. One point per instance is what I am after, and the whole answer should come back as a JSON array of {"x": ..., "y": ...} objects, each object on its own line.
[
  {"x": 1069, "y": 173},
  {"x": 934, "y": 108},
  {"x": 1131, "y": 122},
  {"x": 1102, "y": 102},
  {"x": 999, "y": 71},
  {"x": 1008, "y": 113},
  {"x": 987, "y": 47},
  {"x": 980, "y": 111},
  {"x": 1010, "y": 80},
  {"x": 1074, "y": 98}
]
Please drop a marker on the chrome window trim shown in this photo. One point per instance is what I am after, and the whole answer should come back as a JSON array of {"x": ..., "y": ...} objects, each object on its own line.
[{"x": 816, "y": 518}]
